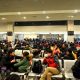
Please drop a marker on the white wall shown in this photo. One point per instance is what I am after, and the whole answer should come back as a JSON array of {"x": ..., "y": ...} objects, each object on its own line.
[
  {"x": 40, "y": 28},
  {"x": 77, "y": 29},
  {"x": 4, "y": 27}
]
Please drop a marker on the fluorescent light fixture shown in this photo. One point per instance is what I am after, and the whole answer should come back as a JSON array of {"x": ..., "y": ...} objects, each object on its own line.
[
  {"x": 44, "y": 12},
  {"x": 47, "y": 17},
  {"x": 19, "y": 13},
  {"x": 70, "y": 16},
  {"x": 3, "y": 18},
  {"x": 24, "y": 17},
  {"x": 75, "y": 11}
]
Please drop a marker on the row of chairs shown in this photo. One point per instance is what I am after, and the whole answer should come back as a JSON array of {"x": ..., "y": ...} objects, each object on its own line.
[
  {"x": 35, "y": 76},
  {"x": 66, "y": 72}
]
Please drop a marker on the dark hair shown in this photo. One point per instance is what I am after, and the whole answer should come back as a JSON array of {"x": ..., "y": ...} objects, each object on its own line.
[
  {"x": 13, "y": 77},
  {"x": 49, "y": 51},
  {"x": 10, "y": 51},
  {"x": 25, "y": 54}
]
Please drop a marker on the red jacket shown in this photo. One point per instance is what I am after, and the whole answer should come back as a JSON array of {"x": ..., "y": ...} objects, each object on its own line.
[{"x": 50, "y": 62}]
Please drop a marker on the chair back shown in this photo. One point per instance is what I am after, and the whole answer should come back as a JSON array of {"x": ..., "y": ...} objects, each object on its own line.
[{"x": 68, "y": 65}]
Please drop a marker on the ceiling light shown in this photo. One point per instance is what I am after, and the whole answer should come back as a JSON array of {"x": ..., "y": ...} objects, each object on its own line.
[
  {"x": 3, "y": 18},
  {"x": 47, "y": 17},
  {"x": 24, "y": 17},
  {"x": 70, "y": 16},
  {"x": 19, "y": 13},
  {"x": 44, "y": 12},
  {"x": 75, "y": 11}
]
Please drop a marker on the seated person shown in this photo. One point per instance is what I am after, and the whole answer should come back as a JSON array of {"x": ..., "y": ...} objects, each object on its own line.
[
  {"x": 69, "y": 55},
  {"x": 10, "y": 59},
  {"x": 24, "y": 63},
  {"x": 76, "y": 69},
  {"x": 30, "y": 58},
  {"x": 56, "y": 50},
  {"x": 13, "y": 77},
  {"x": 53, "y": 67},
  {"x": 75, "y": 54}
]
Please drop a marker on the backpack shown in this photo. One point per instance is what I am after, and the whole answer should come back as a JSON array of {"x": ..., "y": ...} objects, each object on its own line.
[
  {"x": 76, "y": 69},
  {"x": 37, "y": 67}
]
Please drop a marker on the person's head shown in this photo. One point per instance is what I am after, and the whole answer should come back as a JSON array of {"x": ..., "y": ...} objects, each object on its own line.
[
  {"x": 13, "y": 77},
  {"x": 11, "y": 52},
  {"x": 63, "y": 45},
  {"x": 75, "y": 51},
  {"x": 26, "y": 54},
  {"x": 67, "y": 52},
  {"x": 55, "y": 46},
  {"x": 49, "y": 53}
]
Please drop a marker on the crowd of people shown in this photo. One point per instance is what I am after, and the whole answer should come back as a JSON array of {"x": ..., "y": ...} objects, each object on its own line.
[{"x": 59, "y": 48}]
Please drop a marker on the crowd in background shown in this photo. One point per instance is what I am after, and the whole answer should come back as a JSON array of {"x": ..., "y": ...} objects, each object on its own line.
[
  {"x": 59, "y": 47},
  {"x": 65, "y": 50}
]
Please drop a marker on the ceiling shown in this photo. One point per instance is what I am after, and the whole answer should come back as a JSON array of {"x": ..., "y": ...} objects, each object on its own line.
[{"x": 39, "y": 10}]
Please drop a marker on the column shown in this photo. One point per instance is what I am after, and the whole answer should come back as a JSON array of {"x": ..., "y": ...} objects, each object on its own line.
[
  {"x": 70, "y": 31},
  {"x": 10, "y": 31}
]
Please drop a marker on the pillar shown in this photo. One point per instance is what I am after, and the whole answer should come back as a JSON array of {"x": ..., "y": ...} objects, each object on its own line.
[
  {"x": 10, "y": 31},
  {"x": 70, "y": 31}
]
